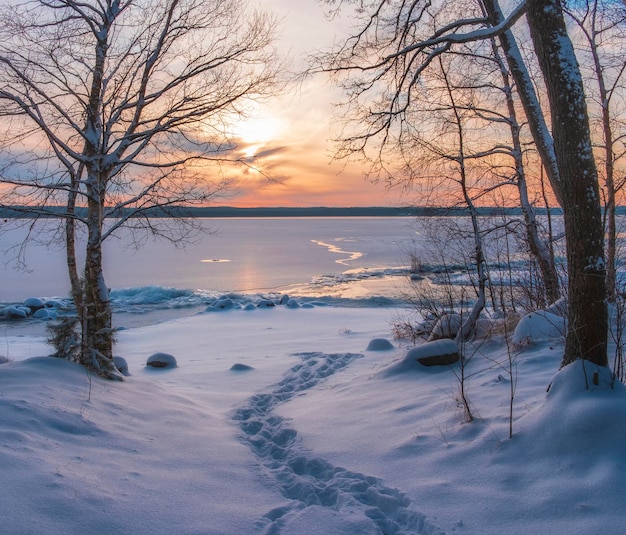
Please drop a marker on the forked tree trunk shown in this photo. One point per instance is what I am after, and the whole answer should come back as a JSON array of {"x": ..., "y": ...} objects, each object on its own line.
[
  {"x": 580, "y": 199},
  {"x": 528, "y": 97}
]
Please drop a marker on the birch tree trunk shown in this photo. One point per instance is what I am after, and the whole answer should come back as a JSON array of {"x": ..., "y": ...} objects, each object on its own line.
[{"x": 96, "y": 320}]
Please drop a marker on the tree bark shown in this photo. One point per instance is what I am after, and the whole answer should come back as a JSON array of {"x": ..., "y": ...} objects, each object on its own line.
[
  {"x": 580, "y": 199},
  {"x": 96, "y": 321},
  {"x": 70, "y": 249}
]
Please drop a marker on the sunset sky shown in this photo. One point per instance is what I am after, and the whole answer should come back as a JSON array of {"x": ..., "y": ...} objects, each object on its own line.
[{"x": 294, "y": 130}]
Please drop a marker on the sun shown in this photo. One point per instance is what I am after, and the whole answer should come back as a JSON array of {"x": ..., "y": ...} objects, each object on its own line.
[{"x": 256, "y": 132}]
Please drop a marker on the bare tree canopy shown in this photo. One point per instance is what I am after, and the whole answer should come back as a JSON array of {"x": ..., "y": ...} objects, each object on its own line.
[
  {"x": 123, "y": 104},
  {"x": 384, "y": 67},
  {"x": 145, "y": 85}
]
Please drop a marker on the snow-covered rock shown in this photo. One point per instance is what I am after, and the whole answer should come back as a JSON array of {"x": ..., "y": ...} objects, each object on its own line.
[
  {"x": 239, "y": 367},
  {"x": 34, "y": 303},
  {"x": 379, "y": 344},
  {"x": 161, "y": 360},
  {"x": 559, "y": 307},
  {"x": 435, "y": 353},
  {"x": 15, "y": 312},
  {"x": 121, "y": 365},
  {"x": 539, "y": 326},
  {"x": 45, "y": 314},
  {"x": 221, "y": 304},
  {"x": 53, "y": 303}
]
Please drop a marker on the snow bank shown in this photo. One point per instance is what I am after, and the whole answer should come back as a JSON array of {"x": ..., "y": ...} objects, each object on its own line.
[{"x": 277, "y": 421}]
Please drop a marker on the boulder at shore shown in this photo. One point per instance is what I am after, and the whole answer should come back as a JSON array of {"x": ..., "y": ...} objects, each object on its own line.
[{"x": 436, "y": 353}]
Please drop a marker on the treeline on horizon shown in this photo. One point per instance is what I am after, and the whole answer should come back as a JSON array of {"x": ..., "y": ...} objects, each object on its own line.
[{"x": 25, "y": 212}]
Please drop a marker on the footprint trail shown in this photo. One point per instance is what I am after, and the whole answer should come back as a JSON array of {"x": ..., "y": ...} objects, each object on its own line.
[{"x": 307, "y": 481}]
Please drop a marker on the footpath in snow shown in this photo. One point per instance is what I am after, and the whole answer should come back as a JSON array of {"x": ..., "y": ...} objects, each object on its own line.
[{"x": 310, "y": 483}]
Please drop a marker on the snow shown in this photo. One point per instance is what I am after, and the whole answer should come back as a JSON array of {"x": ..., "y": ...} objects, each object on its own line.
[
  {"x": 539, "y": 326},
  {"x": 281, "y": 420}
]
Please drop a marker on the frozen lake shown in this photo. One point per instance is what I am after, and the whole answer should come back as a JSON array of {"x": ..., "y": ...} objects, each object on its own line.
[
  {"x": 350, "y": 261},
  {"x": 242, "y": 255}
]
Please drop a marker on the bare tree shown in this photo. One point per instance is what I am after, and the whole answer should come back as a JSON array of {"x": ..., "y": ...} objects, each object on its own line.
[
  {"x": 450, "y": 153},
  {"x": 604, "y": 29},
  {"x": 538, "y": 247},
  {"x": 382, "y": 65},
  {"x": 113, "y": 108},
  {"x": 580, "y": 197}
]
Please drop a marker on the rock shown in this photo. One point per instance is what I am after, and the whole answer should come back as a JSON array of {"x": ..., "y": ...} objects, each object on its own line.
[
  {"x": 4, "y": 360},
  {"x": 15, "y": 312},
  {"x": 292, "y": 303},
  {"x": 161, "y": 360},
  {"x": 45, "y": 314},
  {"x": 221, "y": 304},
  {"x": 379, "y": 344},
  {"x": 121, "y": 365},
  {"x": 284, "y": 299},
  {"x": 435, "y": 353},
  {"x": 241, "y": 368},
  {"x": 265, "y": 303},
  {"x": 51, "y": 303},
  {"x": 34, "y": 303}
]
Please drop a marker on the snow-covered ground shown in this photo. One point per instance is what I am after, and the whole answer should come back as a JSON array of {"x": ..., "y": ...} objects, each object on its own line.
[{"x": 280, "y": 421}]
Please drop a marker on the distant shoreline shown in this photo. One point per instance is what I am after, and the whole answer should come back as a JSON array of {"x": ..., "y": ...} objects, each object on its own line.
[{"x": 24, "y": 212}]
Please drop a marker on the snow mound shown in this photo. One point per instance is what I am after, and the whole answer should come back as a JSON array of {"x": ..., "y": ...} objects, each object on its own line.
[
  {"x": 379, "y": 344},
  {"x": 580, "y": 426},
  {"x": 446, "y": 327},
  {"x": 439, "y": 353},
  {"x": 539, "y": 326}
]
